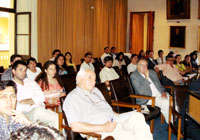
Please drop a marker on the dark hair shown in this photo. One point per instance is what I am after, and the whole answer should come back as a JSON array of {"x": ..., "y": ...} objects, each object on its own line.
[
  {"x": 12, "y": 58},
  {"x": 133, "y": 55},
  {"x": 59, "y": 55},
  {"x": 42, "y": 77},
  {"x": 55, "y": 51},
  {"x": 186, "y": 56},
  {"x": 113, "y": 48},
  {"x": 118, "y": 56},
  {"x": 140, "y": 54},
  {"x": 19, "y": 62},
  {"x": 31, "y": 59},
  {"x": 175, "y": 62},
  {"x": 87, "y": 53},
  {"x": 147, "y": 52},
  {"x": 171, "y": 53},
  {"x": 5, "y": 84},
  {"x": 108, "y": 58},
  {"x": 37, "y": 132},
  {"x": 160, "y": 51},
  {"x": 106, "y": 48},
  {"x": 169, "y": 56},
  {"x": 70, "y": 56},
  {"x": 192, "y": 54}
]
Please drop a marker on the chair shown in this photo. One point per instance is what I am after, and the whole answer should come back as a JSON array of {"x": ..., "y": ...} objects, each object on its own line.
[
  {"x": 70, "y": 69},
  {"x": 122, "y": 91},
  {"x": 124, "y": 70},
  {"x": 116, "y": 68},
  {"x": 69, "y": 81},
  {"x": 39, "y": 65},
  {"x": 1, "y": 69},
  {"x": 78, "y": 67}
]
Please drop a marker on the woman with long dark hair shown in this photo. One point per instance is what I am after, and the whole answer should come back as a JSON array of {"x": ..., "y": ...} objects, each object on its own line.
[
  {"x": 60, "y": 61},
  {"x": 69, "y": 61},
  {"x": 119, "y": 60}
]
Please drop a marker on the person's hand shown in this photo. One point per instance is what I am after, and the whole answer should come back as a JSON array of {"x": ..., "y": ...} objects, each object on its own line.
[
  {"x": 110, "y": 126},
  {"x": 147, "y": 74},
  {"x": 164, "y": 95},
  {"x": 19, "y": 117}
]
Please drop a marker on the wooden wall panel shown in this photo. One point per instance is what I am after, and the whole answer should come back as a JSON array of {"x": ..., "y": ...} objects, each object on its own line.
[{"x": 79, "y": 26}]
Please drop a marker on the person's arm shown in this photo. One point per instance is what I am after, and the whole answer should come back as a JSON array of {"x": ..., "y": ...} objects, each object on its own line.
[{"x": 86, "y": 127}]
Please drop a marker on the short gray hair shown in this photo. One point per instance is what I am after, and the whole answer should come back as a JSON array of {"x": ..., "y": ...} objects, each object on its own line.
[{"x": 81, "y": 74}]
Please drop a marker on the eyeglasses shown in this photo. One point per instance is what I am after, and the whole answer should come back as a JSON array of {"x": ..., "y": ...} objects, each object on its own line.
[{"x": 98, "y": 99}]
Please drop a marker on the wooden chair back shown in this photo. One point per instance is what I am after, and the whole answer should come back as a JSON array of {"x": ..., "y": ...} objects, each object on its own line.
[{"x": 69, "y": 81}]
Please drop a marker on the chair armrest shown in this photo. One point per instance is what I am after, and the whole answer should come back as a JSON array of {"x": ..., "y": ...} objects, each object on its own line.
[
  {"x": 144, "y": 97},
  {"x": 128, "y": 105},
  {"x": 176, "y": 113}
]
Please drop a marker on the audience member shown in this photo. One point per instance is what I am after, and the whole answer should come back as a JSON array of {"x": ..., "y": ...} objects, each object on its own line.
[
  {"x": 10, "y": 119},
  {"x": 147, "y": 54},
  {"x": 7, "y": 75},
  {"x": 141, "y": 54},
  {"x": 151, "y": 62},
  {"x": 106, "y": 53},
  {"x": 87, "y": 111},
  {"x": 133, "y": 65},
  {"x": 87, "y": 62},
  {"x": 32, "y": 71},
  {"x": 197, "y": 60},
  {"x": 193, "y": 61},
  {"x": 30, "y": 98},
  {"x": 50, "y": 83},
  {"x": 60, "y": 61},
  {"x": 37, "y": 132},
  {"x": 130, "y": 52},
  {"x": 113, "y": 52},
  {"x": 119, "y": 60},
  {"x": 187, "y": 63},
  {"x": 181, "y": 67},
  {"x": 161, "y": 58},
  {"x": 170, "y": 70},
  {"x": 69, "y": 61},
  {"x": 171, "y": 53},
  {"x": 108, "y": 73},
  {"x": 54, "y": 54},
  {"x": 146, "y": 82}
]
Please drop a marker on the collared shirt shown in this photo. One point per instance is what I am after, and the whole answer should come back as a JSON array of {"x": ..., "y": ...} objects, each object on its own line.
[
  {"x": 108, "y": 74},
  {"x": 32, "y": 75},
  {"x": 6, "y": 128},
  {"x": 159, "y": 60},
  {"x": 170, "y": 72},
  {"x": 87, "y": 66},
  {"x": 30, "y": 90},
  {"x": 89, "y": 107},
  {"x": 103, "y": 56},
  {"x": 131, "y": 68},
  {"x": 7, "y": 75}
]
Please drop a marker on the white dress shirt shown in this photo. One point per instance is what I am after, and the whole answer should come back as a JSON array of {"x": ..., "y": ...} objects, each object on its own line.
[
  {"x": 159, "y": 60},
  {"x": 32, "y": 75},
  {"x": 30, "y": 90},
  {"x": 131, "y": 68},
  {"x": 107, "y": 74},
  {"x": 87, "y": 66}
]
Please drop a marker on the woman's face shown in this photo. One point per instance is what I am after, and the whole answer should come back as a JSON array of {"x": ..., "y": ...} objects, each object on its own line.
[
  {"x": 121, "y": 57},
  {"x": 60, "y": 61},
  {"x": 187, "y": 59},
  {"x": 178, "y": 59},
  {"x": 68, "y": 57},
  {"x": 51, "y": 70},
  {"x": 142, "y": 53}
]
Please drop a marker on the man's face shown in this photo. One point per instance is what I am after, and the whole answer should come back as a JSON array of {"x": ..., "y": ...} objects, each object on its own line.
[
  {"x": 7, "y": 100},
  {"x": 113, "y": 50},
  {"x": 88, "y": 59},
  {"x": 16, "y": 59},
  {"x": 88, "y": 81},
  {"x": 32, "y": 65},
  {"x": 161, "y": 54},
  {"x": 107, "y": 50},
  {"x": 134, "y": 60},
  {"x": 151, "y": 54},
  {"x": 108, "y": 64},
  {"x": 170, "y": 61},
  {"x": 142, "y": 66},
  {"x": 20, "y": 72}
]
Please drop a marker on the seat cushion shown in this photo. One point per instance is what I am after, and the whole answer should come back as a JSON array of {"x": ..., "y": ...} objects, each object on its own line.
[{"x": 154, "y": 113}]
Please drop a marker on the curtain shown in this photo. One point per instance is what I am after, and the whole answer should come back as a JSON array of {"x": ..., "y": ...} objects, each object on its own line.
[
  {"x": 150, "y": 30},
  {"x": 79, "y": 26}
]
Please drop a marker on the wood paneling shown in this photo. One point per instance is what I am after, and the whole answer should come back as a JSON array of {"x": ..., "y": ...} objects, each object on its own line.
[{"x": 73, "y": 25}]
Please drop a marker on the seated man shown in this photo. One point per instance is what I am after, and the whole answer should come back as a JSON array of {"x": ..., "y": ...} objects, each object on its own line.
[
  {"x": 146, "y": 82},
  {"x": 151, "y": 62},
  {"x": 106, "y": 53},
  {"x": 87, "y": 64},
  {"x": 161, "y": 57},
  {"x": 170, "y": 70},
  {"x": 30, "y": 98},
  {"x": 87, "y": 111},
  {"x": 32, "y": 71},
  {"x": 10, "y": 119},
  {"x": 7, "y": 75},
  {"x": 133, "y": 65},
  {"x": 108, "y": 73}
]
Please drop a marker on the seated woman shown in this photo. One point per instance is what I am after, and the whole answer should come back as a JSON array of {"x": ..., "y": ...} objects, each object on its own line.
[
  {"x": 141, "y": 54},
  {"x": 69, "y": 61},
  {"x": 60, "y": 61},
  {"x": 187, "y": 63},
  {"x": 50, "y": 83},
  {"x": 181, "y": 67},
  {"x": 32, "y": 71},
  {"x": 194, "y": 58},
  {"x": 119, "y": 60},
  {"x": 10, "y": 119}
]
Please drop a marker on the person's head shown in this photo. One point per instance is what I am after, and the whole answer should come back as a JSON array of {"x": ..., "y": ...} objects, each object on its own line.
[
  {"x": 134, "y": 59},
  {"x": 68, "y": 57},
  {"x": 160, "y": 53},
  {"x": 60, "y": 60},
  {"x": 150, "y": 54},
  {"x": 147, "y": 53},
  {"x": 8, "y": 98},
  {"x": 86, "y": 79},
  {"x": 169, "y": 60},
  {"x": 88, "y": 57},
  {"x": 19, "y": 70},
  {"x": 120, "y": 56},
  {"x": 31, "y": 63},
  {"x": 187, "y": 58},
  {"x": 15, "y": 57},
  {"x": 106, "y": 50},
  {"x": 141, "y": 53},
  {"x": 193, "y": 56},
  {"x": 56, "y": 52},
  {"x": 49, "y": 69},
  {"x": 36, "y": 131},
  {"x": 142, "y": 65},
  {"x": 178, "y": 59},
  {"x": 171, "y": 53},
  {"x": 113, "y": 49},
  {"x": 108, "y": 61}
]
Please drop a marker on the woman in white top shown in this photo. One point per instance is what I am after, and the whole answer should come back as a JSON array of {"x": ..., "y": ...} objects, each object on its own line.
[
  {"x": 119, "y": 60},
  {"x": 32, "y": 71}
]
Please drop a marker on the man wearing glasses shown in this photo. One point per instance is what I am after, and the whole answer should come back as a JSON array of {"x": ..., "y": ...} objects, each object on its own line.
[{"x": 87, "y": 111}]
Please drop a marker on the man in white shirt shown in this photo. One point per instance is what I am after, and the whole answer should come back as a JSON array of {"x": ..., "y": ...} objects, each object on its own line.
[
  {"x": 113, "y": 52},
  {"x": 87, "y": 64},
  {"x": 32, "y": 71},
  {"x": 161, "y": 58},
  {"x": 30, "y": 98},
  {"x": 108, "y": 73},
  {"x": 106, "y": 53},
  {"x": 87, "y": 111},
  {"x": 133, "y": 65}
]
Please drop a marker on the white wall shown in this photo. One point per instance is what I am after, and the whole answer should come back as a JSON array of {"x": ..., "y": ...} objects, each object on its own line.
[
  {"x": 30, "y": 6},
  {"x": 162, "y": 25}
]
